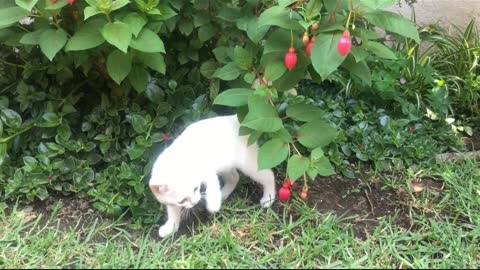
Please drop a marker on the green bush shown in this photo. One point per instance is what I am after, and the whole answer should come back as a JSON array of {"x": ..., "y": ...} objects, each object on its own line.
[{"x": 89, "y": 88}]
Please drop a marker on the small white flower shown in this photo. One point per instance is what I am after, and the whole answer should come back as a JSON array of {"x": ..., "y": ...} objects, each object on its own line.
[
  {"x": 27, "y": 20},
  {"x": 16, "y": 50}
]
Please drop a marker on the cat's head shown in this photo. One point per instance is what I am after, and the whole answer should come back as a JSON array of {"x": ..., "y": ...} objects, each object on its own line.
[{"x": 177, "y": 194}]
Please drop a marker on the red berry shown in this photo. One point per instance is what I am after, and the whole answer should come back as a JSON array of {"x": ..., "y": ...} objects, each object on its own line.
[
  {"x": 345, "y": 44},
  {"x": 284, "y": 194},
  {"x": 165, "y": 137},
  {"x": 71, "y": 2},
  {"x": 315, "y": 26},
  {"x": 288, "y": 183},
  {"x": 291, "y": 59},
  {"x": 53, "y": 1},
  {"x": 304, "y": 195},
  {"x": 360, "y": 146},
  {"x": 50, "y": 179},
  {"x": 310, "y": 45},
  {"x": 306, "y": 39},
  {"x": 412, "y": 129}
]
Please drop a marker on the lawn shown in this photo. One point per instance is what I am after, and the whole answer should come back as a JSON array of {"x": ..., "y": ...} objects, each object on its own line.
[{"x": 425, "y": 219}]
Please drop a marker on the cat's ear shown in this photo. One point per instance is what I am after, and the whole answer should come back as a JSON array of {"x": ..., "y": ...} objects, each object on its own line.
[{"x": 159, "y": 188}]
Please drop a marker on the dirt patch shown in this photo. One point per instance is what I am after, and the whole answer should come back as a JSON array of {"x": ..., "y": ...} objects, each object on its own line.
[
  {"x": 473, "y": 143},
  {"x": 365, "y": 203},
  {"x": 368, "y": 203}
]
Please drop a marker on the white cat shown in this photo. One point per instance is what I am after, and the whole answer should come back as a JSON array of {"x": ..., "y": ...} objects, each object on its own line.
[{"x": 206, "y": 149}]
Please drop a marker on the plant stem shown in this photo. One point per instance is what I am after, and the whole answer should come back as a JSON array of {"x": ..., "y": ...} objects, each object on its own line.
[
  {"x": 11, "y": 64},
  {"x": 7, "y": 139},
  {"x": 295, "y": 148}
]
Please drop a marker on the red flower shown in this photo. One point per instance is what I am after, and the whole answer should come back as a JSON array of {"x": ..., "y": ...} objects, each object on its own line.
[
  {"x": 71, "y": 2},
  {"x": 310, "y": 45},
  {"x": 291, "y": 59},
  {"x": 306, "y": 39},
  {"x": 284, "y": 194},
  {"x": 165, "y": 137},
  {"x": 412, "y": 129},
  {"x": 345, "y": 44},
  {"x": 53, "y": 1}
]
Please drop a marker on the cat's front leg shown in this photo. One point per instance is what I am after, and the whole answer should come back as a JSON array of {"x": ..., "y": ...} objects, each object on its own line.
[
  {"x": 173, "y": 221},
  {"x": 213, "y": 194}
]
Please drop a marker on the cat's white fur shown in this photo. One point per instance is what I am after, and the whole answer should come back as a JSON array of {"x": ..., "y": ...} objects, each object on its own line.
[{"x": 206, "y": 149}]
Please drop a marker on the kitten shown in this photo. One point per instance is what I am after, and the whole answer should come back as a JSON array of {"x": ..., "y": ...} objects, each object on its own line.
[{"x": 206, "y": 149}]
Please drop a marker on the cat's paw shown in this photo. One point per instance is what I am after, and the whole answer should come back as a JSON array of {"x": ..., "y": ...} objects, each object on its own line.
[
  {"x": 213, "y": 206},
  {"x": 267, "y": 201},
  {"x": 166, "y": 230}
]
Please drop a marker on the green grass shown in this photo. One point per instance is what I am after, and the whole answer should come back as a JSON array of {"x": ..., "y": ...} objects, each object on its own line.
[{"x": 445, "y": 234}]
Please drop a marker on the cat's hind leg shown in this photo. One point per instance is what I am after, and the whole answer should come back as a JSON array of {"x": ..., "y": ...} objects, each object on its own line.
[{"x": 263, "y": 177}]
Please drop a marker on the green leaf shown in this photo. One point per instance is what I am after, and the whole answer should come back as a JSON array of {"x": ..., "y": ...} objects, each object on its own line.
[
  {"x": 313, "y": 8},
  {"x": 117, "y": 4},
  {"x": 26, "y": 4},
  {"x": 312, "y": 173},
  {"x": 359, "y": 53},
  {"x": 118, "y": 34},
  {"x": 32, "y": 38},
  {"x": 135, "y": 22},
  {"x": 229, "y": 72},
  {"x": 304, "y": 112},
  {"x": 3, "y": 152},
  {"x": 138, "y": 122},
  {"x": 274, "y": 70},
  {"x": 280, "y": 16},
  {"x": 87, "y": 37},
  {"x": 380, "y": 50},
  {"x": 91, "y": 11},
  {"x": 30, "y": 163},
  {"x": 64, "y": 131},
  {"x": 316, "y": 133},
  {"x": 206, "y": 32},
  {"x": 52, "y": 41},
  {"x": 393, "y": 22},
  {"x": 325, "y": 56},
  {"x": 154, "y": 61},
  {"x": 261, "y": 116},
  {"x": 49, "y": 119},
  {"x": 208, "y": 68},
  {"x": 185, "y": 26},
  {"x": 272, "y": 153},
  {"x": 166, "y": 12},
  {"x": 148, "y": 41},
  {"x": 242, "y": 58},
  {"x": 359, "y": 69},
  {"x": 324, "y": 167},
  {"x": 256, "y": 32},
  {"x": 138, "y": 77},
  {"x": 119, "y": 65},
  {"x": 297, "y": 166},
  {"x": 135, "y": 151},
  {"x": 12, "y": 15},
  {"x": 11, "y": 118},
  {"x": 234, "y": 97},
  {"x": 317, "y": 154}
]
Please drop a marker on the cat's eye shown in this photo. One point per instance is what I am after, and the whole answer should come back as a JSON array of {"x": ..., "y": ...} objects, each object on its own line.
[{"x": 195, "y": 189}]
